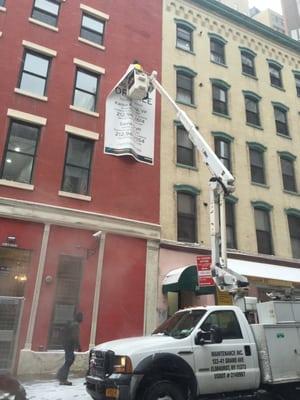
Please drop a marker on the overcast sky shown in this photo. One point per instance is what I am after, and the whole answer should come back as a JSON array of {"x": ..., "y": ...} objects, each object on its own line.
[{"x": 263, "y": 4}]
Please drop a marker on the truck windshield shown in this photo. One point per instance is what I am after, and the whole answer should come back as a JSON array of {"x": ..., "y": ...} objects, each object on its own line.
[{"x": 181, "y": 324}]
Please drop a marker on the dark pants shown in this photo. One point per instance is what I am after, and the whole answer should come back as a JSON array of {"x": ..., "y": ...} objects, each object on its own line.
[{"x": 63, "y": 372}]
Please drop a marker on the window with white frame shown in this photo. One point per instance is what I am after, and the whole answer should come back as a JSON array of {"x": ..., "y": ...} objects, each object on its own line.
[
  {"x": 20, "y": 152},
  {"x": 34, "y": 73},
  {"x": 92, "y": 28},
  {"x": 46, "y": 11},
  {"x": 77, "y": 170},
  {"x": 85, "y": 89}
]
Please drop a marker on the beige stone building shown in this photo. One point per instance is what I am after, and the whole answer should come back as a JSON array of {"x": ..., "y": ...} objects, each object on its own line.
[{"x": 239, "y": 81}]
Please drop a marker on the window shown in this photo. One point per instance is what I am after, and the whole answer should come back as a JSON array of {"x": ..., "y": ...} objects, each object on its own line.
[
  {"x": 297, "y": 81},
  {"x": 288, "y": 174},
  {"x": 263, "y": 231},
  {"x": 275, "y": 75},
  {"x": 294, "y": 228},
  {"x": 226, "y": 321},
  {"x": 252, "y": 111},
  {"x": 185, "y": 148},
  {"x": 21, "y": 146},
  {"x": 248, "y": 66},
  {"x": 217, "y": 51},
  {"x": 184, "y": 37},
  {"x": 230, "y": 224},
  {"x": 257, "y": 166},
  {"x": 46, "y": 11},
  {"x": 85, "y": 91},
  {"x": 2, "y": 3},
  {"x": 34, "y": 73},
  {"x": 77, "y": 165},
  {"x": 222, "y": 149},
  {"x": 92, "y": 29},
  {"x": 220, "y": 99},
  {"x": 186, "y": 217},
  {"x": 281, "y": 121},
  {"x": 185, "y": 88}
]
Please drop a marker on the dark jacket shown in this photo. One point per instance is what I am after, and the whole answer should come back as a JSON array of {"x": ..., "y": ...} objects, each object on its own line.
[{"x": 70, "y": 338}]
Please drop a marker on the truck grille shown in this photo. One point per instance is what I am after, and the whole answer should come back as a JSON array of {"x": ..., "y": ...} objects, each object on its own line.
[{"x": 99, "y": 363}]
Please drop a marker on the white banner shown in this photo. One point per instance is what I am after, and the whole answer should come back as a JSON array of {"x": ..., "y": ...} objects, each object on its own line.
[{"x": 129, "y": 124}]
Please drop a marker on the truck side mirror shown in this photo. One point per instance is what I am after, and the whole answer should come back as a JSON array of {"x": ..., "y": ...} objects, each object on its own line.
[
  {"x": 203, "y": 337},
  {"x": 216, "y": 334}
]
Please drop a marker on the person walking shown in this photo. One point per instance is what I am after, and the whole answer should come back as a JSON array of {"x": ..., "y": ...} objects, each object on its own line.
[{"x": 70, "y": 344}]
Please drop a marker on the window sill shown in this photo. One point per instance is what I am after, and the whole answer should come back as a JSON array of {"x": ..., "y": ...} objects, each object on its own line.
[
  {"x": 186, "y": 104},
  {"x": 186, "y": 51},
  {"x": 278, "y": 87},
  {"x": 221, "y": 115},
  {"x": 254, "y": 126},
  {"x": 250, "y": 76},
  {"x": 32, "y": 95},
  {"x": 186, "y": 166},
  {"x": 2, "y": 9},
  {"x": 292, "y": 193},
  {"x": 284, "y": 136},
  {"x": 17, "y": 185},
  {"x": 262, "y": 185},
  {"x": 98, "y": 46},
  {"x": 43, "y": 24},
  {"x": 220, "y": 64},
  {"x": 74, "y": 196},
  {"x": 83, "y": 111}
]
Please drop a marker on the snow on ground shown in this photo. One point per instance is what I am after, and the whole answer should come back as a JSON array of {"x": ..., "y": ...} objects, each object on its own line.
[{"x": 51, "y": 390}]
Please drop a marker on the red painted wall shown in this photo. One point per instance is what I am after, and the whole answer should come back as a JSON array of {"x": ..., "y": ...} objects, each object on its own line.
[
  {"x": 119, "y": 186},
  {"x": 121, "y": 308},
  {"x": 70, "y": 242}
]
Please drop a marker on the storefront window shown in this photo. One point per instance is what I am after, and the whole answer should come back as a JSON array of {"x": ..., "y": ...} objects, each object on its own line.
[{"x": 14, "y": 268}]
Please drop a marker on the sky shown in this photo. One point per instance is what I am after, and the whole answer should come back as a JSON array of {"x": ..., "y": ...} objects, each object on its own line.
[{"x": 263, "y": 4}]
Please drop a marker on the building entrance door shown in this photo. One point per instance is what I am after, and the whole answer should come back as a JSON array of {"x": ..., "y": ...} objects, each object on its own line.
[{"x": 10, "y": 316}]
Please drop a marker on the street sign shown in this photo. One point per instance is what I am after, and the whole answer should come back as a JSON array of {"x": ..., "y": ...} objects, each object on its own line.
[{"x": 204, "y": 271}]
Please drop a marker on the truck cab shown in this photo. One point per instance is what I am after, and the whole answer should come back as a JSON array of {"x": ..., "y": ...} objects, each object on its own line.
[{"x": 197, "y": 352}]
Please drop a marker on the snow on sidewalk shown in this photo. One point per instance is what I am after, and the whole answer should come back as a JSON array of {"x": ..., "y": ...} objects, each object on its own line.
[{"x": 51, "y": 390}]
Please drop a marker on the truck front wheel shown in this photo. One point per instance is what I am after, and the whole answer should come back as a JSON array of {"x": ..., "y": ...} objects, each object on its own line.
[{"x": 163, "y": 390}]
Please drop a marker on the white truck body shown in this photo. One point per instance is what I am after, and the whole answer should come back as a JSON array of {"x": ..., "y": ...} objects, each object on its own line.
[{"x": 248, "y": 358}]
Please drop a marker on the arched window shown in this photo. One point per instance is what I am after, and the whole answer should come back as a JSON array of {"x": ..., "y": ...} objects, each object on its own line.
[
  {"x": 287, "y": 161},
  {"x": 217, "y": 49},
  {"x": 293, "y": 216},
  {"x": 186, "y": 213},
  {"x": 248, "y": 61},
  {"x": 220, "y": 96},
  {"x": 184, "y": 35},
  {"x": 275, "y": 73},
  {"x": 281, "y": 120},
  {"x": 257, "y": 162},
  {"x": 263, "y": 227},
  {"x": 185, "y": 85},
  {"x": 252, "y": 108}
]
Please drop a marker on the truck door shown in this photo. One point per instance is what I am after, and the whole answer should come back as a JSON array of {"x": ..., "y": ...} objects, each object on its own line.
[{"x": 230, "y": 365}]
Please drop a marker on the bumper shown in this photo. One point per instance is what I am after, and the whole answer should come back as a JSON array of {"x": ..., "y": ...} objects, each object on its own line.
[{"x": 115, "y": 387}]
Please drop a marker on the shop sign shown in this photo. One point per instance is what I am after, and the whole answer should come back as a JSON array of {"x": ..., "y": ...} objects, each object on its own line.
[
  {"x": 224, "y": 298},
  {"x": 204, "y": 271}
]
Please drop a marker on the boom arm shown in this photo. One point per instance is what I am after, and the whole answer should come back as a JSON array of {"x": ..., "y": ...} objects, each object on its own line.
[{"x": 221, "y": 183}]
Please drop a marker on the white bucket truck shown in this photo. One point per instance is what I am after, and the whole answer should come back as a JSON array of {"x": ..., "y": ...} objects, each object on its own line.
[{"x": 204, "y": 352}]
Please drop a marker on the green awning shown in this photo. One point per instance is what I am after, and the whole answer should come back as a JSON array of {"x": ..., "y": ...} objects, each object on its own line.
[{"x": 181, "y": 279}]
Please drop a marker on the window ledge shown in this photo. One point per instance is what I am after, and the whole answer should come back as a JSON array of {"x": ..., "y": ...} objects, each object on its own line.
[
  {"x": 186, "y": 51},
  {"x": 262, "y": 185},
  {"x": 2, "y": 9},
  {"x": 250, "y": 76},
  {"x": 74, "y": 196},
  {"x": 254, "y": 126},
  {"x": 186, "y": 166},
  {"x": 292, "y": 193},
  {"x": 221, "y": 115},
  {"x": 98, "y": 46},
  {"x": 17, "y": 185},
  {"x": 186, "y": 104},
  {"x": 278, "y": 87},
  {"x": 28, "y": 94},
  {"x": 82, "y": 110},
  {"x": 220, "y": 64},
  {"x": 43, "y": 24},
  {"x": 284, "y": 136}
]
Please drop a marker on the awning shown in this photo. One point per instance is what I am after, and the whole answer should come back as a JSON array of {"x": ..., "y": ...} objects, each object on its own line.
[
  {"x": 181, "y": 279},
  {"x": 266, "y": 271}
]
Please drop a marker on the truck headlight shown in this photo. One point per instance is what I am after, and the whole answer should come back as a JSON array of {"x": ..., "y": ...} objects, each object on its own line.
[{"x": 122, "y": 365}]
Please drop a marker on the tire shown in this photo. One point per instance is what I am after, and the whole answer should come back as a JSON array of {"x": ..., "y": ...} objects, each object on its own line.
[{"x": 163, "y": 390}]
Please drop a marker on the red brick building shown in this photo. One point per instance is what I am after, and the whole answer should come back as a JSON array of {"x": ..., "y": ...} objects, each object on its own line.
[{"x": 60, "y": 59}]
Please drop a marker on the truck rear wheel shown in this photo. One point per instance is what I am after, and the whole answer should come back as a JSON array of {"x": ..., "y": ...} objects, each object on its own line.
[{"x": 163, "y": 390}]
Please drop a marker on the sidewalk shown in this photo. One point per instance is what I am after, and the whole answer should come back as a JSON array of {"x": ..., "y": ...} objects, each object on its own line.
[{"x": 50, "y": 389}]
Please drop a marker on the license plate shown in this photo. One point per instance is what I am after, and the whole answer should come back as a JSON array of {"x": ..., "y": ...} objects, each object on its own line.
[{"x": 112, "y": 392}]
